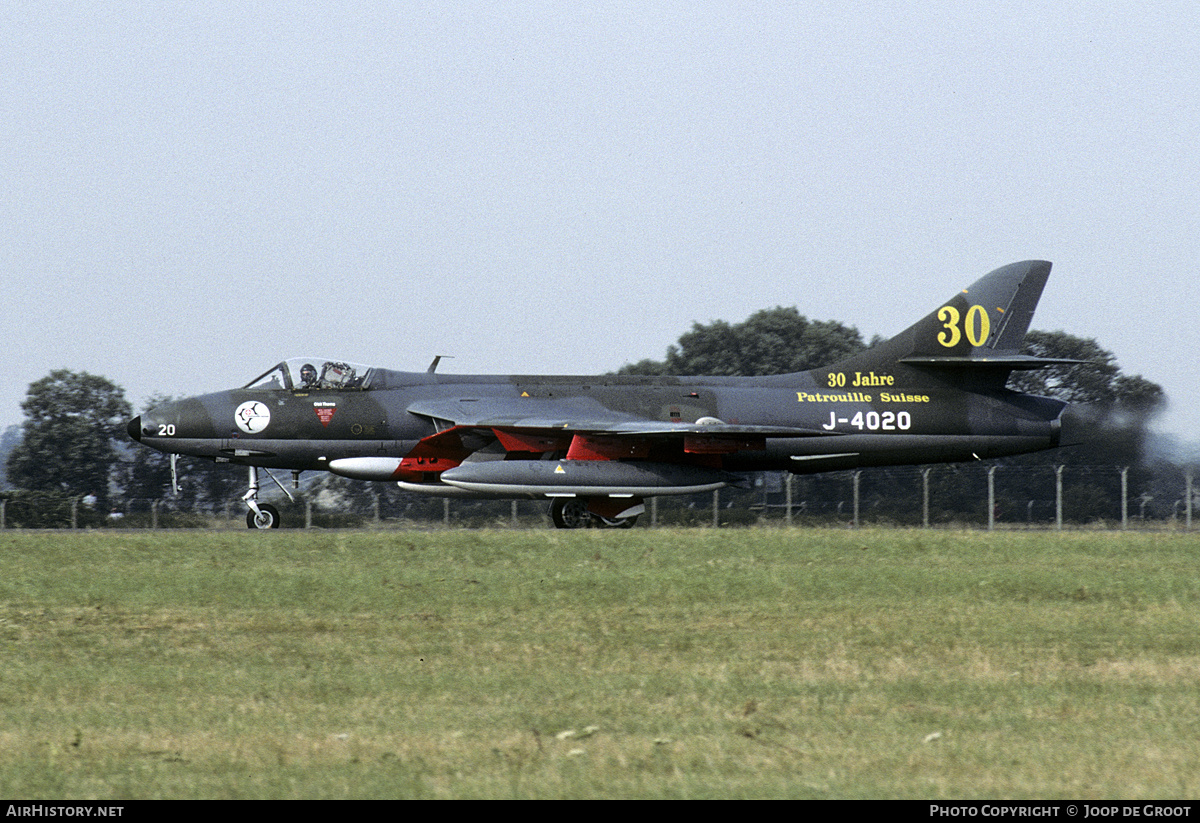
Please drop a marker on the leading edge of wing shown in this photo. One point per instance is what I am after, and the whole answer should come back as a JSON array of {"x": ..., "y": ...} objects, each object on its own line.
[
  {"x": 650, "y": 428},
  {"x": 587, "y": 416},
  {"x": 507, "y": 412}
]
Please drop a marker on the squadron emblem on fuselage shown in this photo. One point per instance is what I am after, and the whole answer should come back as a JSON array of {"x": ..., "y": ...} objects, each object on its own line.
[{"x": 252, "y": 417}]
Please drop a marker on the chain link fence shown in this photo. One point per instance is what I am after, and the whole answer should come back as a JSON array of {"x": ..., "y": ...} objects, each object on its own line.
[{"x": 971, "y": 496}]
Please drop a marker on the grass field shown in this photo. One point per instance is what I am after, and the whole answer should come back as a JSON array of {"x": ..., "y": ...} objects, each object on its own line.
[{"x": 526, "y": 664}]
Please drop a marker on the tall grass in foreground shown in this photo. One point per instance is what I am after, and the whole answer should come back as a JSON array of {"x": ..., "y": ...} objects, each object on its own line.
[{"x": 700, "y": 663}]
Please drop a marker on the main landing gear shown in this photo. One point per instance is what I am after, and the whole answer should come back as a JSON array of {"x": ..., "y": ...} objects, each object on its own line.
[
  {"x": 261, "y": 515},
  {"x": 575, "y": 513}
]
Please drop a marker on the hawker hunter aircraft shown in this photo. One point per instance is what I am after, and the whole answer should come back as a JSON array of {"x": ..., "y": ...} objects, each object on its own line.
[{"x": 597, "y": 447}]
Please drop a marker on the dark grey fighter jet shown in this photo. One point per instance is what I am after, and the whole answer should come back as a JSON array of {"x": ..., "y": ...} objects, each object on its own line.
[{"x": 597, "y": 447}]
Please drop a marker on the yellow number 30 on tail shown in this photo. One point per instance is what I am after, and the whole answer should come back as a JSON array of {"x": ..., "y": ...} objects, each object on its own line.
[{"x": 977, "y": 326}]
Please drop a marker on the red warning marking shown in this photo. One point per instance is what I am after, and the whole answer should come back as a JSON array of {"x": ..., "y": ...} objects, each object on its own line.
[{"x": 325, "y": 413}]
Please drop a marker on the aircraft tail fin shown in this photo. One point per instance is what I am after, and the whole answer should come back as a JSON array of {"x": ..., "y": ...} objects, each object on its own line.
[{"x": 980, "y": 329}]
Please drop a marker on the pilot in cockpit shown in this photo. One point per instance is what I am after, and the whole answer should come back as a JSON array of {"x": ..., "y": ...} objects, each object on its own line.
[{"x": 308, "y": 376}]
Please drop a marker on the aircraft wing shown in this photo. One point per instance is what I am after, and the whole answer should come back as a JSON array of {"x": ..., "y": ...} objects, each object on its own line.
[
  {"x": 504, "y": 432},
  {"x": 564, "y": 447},
  {"x": 582, "y": 415}
]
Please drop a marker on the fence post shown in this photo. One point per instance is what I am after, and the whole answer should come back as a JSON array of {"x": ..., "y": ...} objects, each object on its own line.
[
  {"x": 787, "y": 485},
  {"x": 991, "y": 498},
  {"x": 3, "y": 503},
  {"x": 514, "y": 514},
  {"x": 1058, "y": 501},
  {"x": 75, "y": 513},
  {"x": 1124, "y": 498},
  {"x": 154, "y": 514},
  {"x": 446, "y": 512},
  {"x": 925, "y": 497},
  {"x": 856, "y": 475},
  {"x": 308, "y": 514},
  {"x": 654, "y": 512},
  {"x": 716, "y": 524},
  {"x": 1187, "y": 506}
]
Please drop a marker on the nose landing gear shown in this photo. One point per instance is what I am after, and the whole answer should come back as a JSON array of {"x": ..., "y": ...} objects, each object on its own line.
[
  {"x": 261, "y": 515},
  {"x": 267, "y": 517}
]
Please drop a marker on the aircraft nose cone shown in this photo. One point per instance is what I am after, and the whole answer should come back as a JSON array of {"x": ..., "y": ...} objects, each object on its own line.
[{"x": 135, "y": 428}]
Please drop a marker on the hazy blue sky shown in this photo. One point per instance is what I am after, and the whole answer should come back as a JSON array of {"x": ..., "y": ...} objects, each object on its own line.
[{"x": 194, "y": 191}]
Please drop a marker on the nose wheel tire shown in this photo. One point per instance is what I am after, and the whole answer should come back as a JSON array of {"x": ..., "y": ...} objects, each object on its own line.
[{"x": 266, "y": 518}]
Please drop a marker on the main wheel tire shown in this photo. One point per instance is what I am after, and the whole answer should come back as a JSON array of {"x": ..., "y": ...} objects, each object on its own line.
[
  {"x": 267, "y": 517},
  {"x": 570, "y": 513},
  {"x": 618, "y": 523}
]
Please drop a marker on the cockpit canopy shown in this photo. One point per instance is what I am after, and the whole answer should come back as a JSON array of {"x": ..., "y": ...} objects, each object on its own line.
[{"x": 313, "y": 374}]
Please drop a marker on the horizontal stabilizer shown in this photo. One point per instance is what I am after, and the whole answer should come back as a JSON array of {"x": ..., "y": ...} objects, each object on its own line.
[{"x": 1012, "y": 362}]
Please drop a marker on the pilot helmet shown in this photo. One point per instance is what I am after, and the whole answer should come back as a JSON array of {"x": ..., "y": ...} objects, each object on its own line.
[{"x": 308, "y": 374}]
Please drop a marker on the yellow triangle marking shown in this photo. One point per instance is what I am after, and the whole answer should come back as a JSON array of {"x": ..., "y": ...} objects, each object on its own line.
[{"x": 559, "y": 470}]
